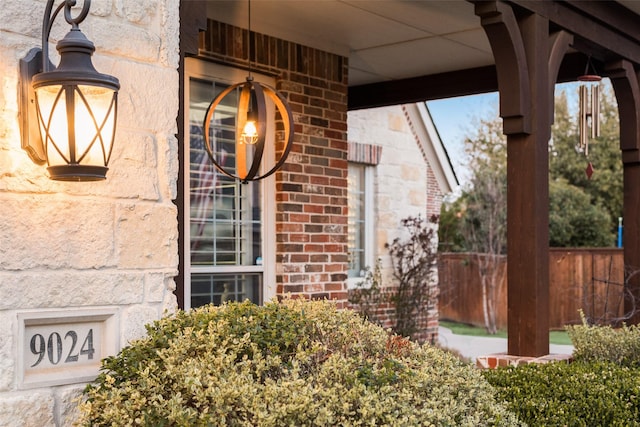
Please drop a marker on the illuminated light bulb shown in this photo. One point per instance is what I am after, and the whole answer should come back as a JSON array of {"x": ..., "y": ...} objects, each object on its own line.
[{"x": 249, "y": 133}]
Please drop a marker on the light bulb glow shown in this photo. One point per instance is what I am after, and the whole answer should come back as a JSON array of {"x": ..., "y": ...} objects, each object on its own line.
[
  {"x": 93, "y": 127},
  {"x": 249, "y": 133}
]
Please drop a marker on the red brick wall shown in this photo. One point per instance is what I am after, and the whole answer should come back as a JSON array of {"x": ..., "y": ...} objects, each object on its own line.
[
  {"x": 384, "y": 314},
  {"x": 311, "y": 188},
  {"x": 434, "y": 195}
]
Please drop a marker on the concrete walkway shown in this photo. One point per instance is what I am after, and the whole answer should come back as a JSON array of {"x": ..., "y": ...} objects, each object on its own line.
[{"x": 471, "y": 347}]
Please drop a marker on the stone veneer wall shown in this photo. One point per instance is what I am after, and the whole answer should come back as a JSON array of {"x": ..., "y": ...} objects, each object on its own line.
[
  {"x": 67, "y": 246},
  {"x": 311, "y": 188},
  {"x": 405, "y": 185}
]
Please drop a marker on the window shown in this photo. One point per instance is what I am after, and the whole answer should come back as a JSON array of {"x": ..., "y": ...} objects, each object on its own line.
[
  {"x": 360, "y": 221},
  {"x": 228, "y": 247}
]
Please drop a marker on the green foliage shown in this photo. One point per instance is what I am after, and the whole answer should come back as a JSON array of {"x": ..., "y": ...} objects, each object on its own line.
[
  {"x": 484, "y": 218},
  {"x": 567, "y": 162},
  {"x": 570, "y": 394},
  {"x": 291, "y": 363},
  {"x": 601, "y": 387},
  {"x": 413, "y": 260},
  {"x": 414, "y": 263},
  {"x": 606, "y": 344},
  {"x": 574, "y": 221},
  {"x": 476, "y": 221},
  {"x": 583, "y": 211},
  {"x": 449, "y": 237}
]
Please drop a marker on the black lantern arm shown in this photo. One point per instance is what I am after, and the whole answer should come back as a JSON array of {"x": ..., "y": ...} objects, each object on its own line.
[{"x": 49, "y": 18}]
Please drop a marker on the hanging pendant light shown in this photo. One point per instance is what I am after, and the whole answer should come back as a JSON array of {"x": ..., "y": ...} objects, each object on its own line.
[
  {"x": 251, "y": 126},
  {"x": 589, "y": 110}
]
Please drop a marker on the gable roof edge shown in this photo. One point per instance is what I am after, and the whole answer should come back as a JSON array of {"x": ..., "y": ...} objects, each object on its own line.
[{"x": 431, "y": 145}]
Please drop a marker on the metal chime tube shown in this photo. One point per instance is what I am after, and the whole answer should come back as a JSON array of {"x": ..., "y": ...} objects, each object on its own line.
[
  {"x": 582, "y": 123},
  {"x": 589, "y": 114},
  {"x": 595, "y": 111}
]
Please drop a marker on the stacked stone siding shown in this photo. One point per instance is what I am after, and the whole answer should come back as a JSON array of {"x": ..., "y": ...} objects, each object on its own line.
[
  {"x": 67, "y": 247},
  {"x": 405, "y": 185},
  {"x": 311, "y": 188}
]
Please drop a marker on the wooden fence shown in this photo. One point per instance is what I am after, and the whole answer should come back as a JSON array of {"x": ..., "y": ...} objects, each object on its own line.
[{"x": 590, "y": 280}]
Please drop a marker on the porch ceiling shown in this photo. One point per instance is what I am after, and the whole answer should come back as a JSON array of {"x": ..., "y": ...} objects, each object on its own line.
[{"x": 386, "y": 41}]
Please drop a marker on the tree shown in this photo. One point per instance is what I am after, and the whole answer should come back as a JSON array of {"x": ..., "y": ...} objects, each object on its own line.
[
  {"x": 483, "y": 224},
  {"x": 573, "y": 220},
  {"x": 567, "y": 162},
  {"x": 583, "y": 211},
  {"x": 413, "y": 293},
  {"x": 449, "y": 237},
  {"x": 414, "y": 265}
]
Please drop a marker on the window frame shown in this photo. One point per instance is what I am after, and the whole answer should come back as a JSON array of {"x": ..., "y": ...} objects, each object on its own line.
[
  {"x": 208, "y": 71},
  {"x": 369, "y": 221}
]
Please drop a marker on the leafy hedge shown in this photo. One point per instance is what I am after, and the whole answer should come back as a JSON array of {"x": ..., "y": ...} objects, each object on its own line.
[
  {"x": 604, "y": 343},
  {"x": 600, "y": 388},
  {"x": 291, "y": 363},
  {"x": 571, "y": 394}
]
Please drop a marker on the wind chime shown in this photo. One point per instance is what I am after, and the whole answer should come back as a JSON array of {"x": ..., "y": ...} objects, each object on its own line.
[{"x": 589, "y": 114}]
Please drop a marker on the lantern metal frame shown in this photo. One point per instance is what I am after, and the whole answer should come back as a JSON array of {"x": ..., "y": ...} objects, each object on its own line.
[
  {"x": 251, "y": 90},
  {"x": 252, "y": 94},
  {"x": 74, "y": 74}
]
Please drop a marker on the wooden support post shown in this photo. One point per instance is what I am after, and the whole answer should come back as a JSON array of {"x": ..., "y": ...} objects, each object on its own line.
[
  {"x": 528, "y": 207},
  {"x": 626, "y": 84},
  {"x": 527, "y": 61}
]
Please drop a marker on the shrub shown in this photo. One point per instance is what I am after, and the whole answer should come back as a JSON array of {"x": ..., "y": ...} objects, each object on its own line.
[
  {"x": 412, "y": 292},
  {"x": 570, "y": 394},
  {"x": 291, "y": 363},
  {"x": 604, "y": 343}
]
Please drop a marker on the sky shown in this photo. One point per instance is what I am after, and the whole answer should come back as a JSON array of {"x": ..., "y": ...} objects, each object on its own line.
[{"x": 454, "y": 118}]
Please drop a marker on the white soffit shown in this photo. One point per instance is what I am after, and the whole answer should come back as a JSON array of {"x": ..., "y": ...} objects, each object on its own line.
[{"x": 383, "y": 39}]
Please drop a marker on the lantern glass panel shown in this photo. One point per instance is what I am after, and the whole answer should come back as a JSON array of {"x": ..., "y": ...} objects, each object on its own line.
[{"x": 93, "y": 121}]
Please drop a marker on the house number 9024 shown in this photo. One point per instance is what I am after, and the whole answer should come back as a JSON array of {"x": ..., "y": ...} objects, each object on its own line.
[
  {"x": 65, "y": 346},
  {"x": 57, "y": 347}
]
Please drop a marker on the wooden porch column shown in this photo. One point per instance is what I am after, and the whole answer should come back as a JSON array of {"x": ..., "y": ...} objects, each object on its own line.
[
  {"x": 625, "y": 81},
  {"x": 527, "y": 61}
]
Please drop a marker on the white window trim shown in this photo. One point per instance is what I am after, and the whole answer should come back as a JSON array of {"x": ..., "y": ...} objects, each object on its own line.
[
  {"x": 369, "y": 225},
  {"x": 195, "y": 68}
]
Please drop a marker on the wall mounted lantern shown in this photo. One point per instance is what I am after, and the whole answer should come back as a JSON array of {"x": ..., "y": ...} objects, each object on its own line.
[
  {"x": 68, "y": 113},
  {"x": 250, "y": 126}
]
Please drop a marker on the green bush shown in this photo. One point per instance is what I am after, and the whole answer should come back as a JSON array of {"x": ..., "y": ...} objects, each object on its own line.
[
  {"x": 603, "y": 343},
  {"x": 293, "y": 363},
  {"x": 570, "y": 394}
]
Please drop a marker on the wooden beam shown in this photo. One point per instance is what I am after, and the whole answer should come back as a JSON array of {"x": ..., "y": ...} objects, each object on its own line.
[
  {"x": 472, "y": 81},
  {"x": 425, "y": 88},
  {"x": 501, "y": 26},
  {"x": 606, "y": 24}
]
